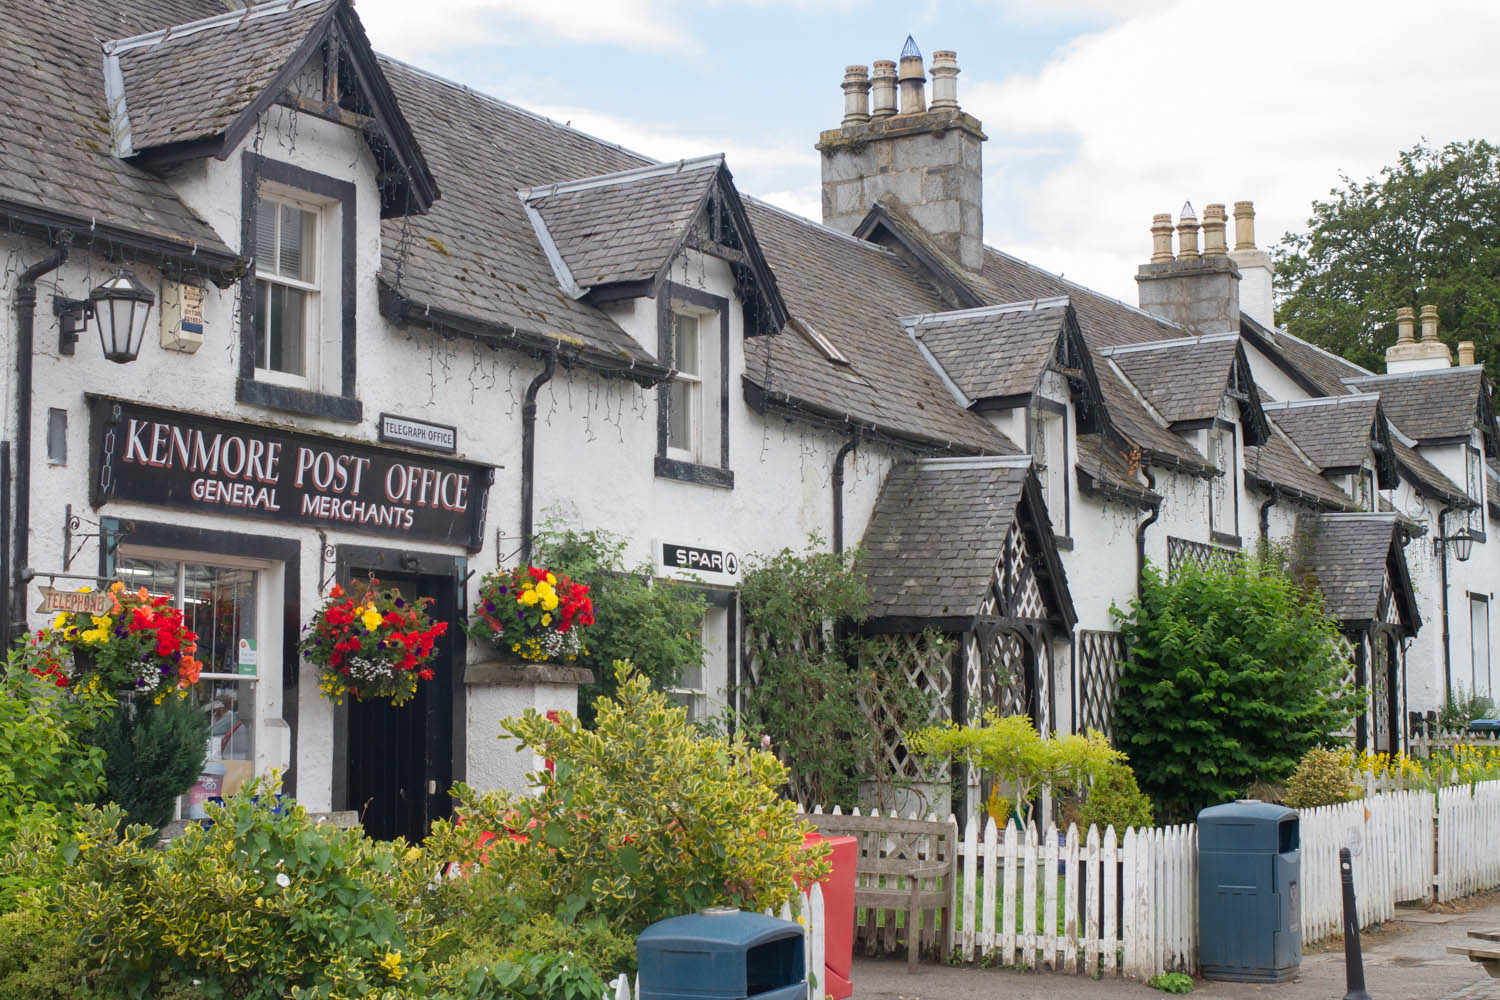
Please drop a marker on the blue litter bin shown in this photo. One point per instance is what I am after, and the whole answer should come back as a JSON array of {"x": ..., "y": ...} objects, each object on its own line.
[
  {"x": 1249, "y": 867},
  {"x": 721, "y": 953},
  {"x": 1486, "y": 726}
]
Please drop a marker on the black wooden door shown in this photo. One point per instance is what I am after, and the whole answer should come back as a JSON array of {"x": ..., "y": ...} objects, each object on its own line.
[{"x": 401, "y": 759}]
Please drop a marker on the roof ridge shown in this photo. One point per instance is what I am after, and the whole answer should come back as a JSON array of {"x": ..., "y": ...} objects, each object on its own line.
[
  {"x": 252, "y": 12},
  {"x": 622, "y": 176},
  {"x": 1031, "y": 305},
  {"x": 1147, "y": 407},
  {"x": 512, "y": 106},
  {"x": 822, "y": 227},
  {"x": 1420, "y": 373},
  {"x": 976, "y": 462},
  {"x": 1360, "y": 515},
  {"x": 1353, "y": 397},
  {"x": 1157, "y": 345},
  {"x": 1282, "y": 332},
  {"x": 1081, "y": 287}
]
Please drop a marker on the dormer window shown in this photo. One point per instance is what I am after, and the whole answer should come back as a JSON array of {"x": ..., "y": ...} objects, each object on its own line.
[
  {"x": 1223, "y": 489},
  {"x": 693, "y": 426},
  {"x": 1049, "y": 454},
  {"x": 685, "y": 401}
]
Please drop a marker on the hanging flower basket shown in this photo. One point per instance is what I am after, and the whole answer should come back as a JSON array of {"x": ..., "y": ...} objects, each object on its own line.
[
  {"x": 370, "y": 643},
  {"x": 139, "y": 646},
  {"x": 532, "y": 613}
]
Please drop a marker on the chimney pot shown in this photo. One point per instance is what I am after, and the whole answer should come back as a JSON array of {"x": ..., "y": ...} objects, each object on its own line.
[
  {"x": 1466, "y": 352},
  {"x": 1406, "y": 321},
  {"x": 856, "y": 95},
  {"x": 913, "y": 79},
  {"x": 1187, "y": 233},
  {"x": 883, "y": 81},
  {"x": 944, "y": 80},
  {"x": 1213, "y": 231},
  {"x": 1429, "y": 323},
  {"x": 1244, "y": 225},
  {"x": 1161, "y": 237}
]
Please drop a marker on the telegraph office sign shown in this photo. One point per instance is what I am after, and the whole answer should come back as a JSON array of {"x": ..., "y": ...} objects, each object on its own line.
[{"x": 184, "y": 461}]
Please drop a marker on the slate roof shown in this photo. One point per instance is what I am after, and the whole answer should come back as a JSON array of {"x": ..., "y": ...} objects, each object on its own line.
[
  {"x": 1102, "y": 469},
  {"x": 1429, "y": 405},
  {"x": 192, "y": 81},
  {"x": 1276, "y": 463},
  {"x": 1348, "y": 555},
  {"x": 854, "y": 292},
  {"x": 1318, "y": 371},
  {"x": 993, "y": 351},
  {"x": 55, "y": 159},
  {"x": 1334, "y": 432},
  {"x": 1183, "y": 380},
  {"x": 621, "y": 227},
  {"x": 1428, "y": 478},
  {"x": 937, "y": 532}
]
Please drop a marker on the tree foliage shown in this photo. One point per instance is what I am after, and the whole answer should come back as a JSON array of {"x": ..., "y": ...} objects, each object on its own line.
[
  {"x": 1232, "y": 673},
  {"x": 656, "y": 624},
  {"x": 1425, "y": 230},
  {"x": 153, "y": 752}
]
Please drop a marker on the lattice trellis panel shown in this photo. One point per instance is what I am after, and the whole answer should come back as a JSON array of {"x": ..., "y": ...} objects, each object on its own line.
[
  {"x": 1099, "y": 657},
  {"x": 1352, "y": 679},
  {"x": 1380, "y": 695},
  {"x": 911, "y": 660},
  {"x": 1181, "y": 551}
]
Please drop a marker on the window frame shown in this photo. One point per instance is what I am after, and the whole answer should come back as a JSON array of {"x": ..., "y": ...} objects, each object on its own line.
[
  {"x": 674, "y": 297},
  {"x": 691, "y": 383},
  {"x": 1474, "y": 475},
  {"x": 1041, "y": 416},
  {"x": 313, "y": 305},
  {"x": 1477, "y": 601},
  {"x": 285, "y": 182},
  {"x": 1228, "y": 481}
]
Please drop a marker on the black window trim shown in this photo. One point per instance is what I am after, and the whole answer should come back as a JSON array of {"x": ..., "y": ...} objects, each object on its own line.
[
  {"x": 343, "y": 406},
  {"x": 1231, "y": 477},
  {"x": 722, "y": 475}
]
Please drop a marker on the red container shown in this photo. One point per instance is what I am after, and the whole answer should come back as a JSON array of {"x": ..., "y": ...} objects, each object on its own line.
[{"x": 838, "y": 915}]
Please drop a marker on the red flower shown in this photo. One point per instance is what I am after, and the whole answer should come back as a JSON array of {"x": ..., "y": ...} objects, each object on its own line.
[
  {"x": 335, "y": 592},
  {"x": 426, "y": 673}
]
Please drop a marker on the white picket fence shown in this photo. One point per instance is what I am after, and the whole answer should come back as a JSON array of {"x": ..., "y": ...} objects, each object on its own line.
[
  {"x": 809, "y": 913},
  {"x": 1468, "y": 857},
  {"x": 1390, "y": 836}
]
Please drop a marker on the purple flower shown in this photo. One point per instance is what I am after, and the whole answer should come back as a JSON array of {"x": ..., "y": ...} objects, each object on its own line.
[
  {"x": 400, "y": 603},
  {"x": 503, "y": 590},
  {"x": 489, "y": 605},
  {"x": 520, "y": 616}
]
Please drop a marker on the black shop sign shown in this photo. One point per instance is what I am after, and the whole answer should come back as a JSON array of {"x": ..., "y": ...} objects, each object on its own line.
[{"x": 166, "y": 458}]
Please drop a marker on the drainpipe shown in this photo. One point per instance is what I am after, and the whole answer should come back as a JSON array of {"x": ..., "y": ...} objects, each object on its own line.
[
  {"x": 1442, "y": 543},
  {"x": 1140, "y": 531},
  {"x": 25, "y": 352},
  {"x": 1265, "y": 518},
  {"x": 838, "y": 491},
  {"x": 528, "y": 451}
]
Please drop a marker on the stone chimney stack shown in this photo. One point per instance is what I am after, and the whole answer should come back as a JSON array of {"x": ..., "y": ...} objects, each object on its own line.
[
  {"x": 1466, "y": 353},
  {"x": 1256, "y": 289},
  {"x": 1197, "y": 291},
  {"x": 1410, "y": 355},
  {"x": 922, "y": 161}
]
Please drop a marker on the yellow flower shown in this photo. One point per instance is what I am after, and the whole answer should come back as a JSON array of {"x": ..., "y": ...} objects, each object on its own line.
[
  {"x": 546, "y": 619},
  {"x": 61, "y": 619},
  {"x": 549, "y": 603},
  {"x": 551, "y": 580},
  {"x": 372, "y": 619},
  {"x": 391, "y": 963},
  {"x": 103, "y": 621},
  {"x": 529, "y": 598}
]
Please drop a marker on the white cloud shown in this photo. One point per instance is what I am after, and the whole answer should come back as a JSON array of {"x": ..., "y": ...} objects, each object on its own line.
[
  {"x": 1210, "y": 102},
  {"x": 413, "y": 30}
]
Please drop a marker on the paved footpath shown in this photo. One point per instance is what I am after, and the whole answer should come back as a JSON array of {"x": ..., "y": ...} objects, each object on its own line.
[{"x": 1404, "y": 960}]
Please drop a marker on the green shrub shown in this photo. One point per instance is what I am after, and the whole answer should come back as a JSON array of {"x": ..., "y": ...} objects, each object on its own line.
[
  {"x": 261, "y": 905},
  {"x": 40, "y": 959},
  {"x": 1232, "y": 673},
  {"x": 1323, "y": 778},
  {"x": 1460, "y": 709},
  {"x": 1172, "y": 982},
  {"x": 1114, "y": 799},
  {"x": 645, "y": 817},
  {"x": 152, "y": 754},
  {"x": 654, "y": 623},
  {"x": 546, "y": 976}
]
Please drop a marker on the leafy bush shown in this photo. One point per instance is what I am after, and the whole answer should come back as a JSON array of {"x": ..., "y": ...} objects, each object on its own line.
[
  {"x": 807, "y": 688},
  {"x": 1232, "y": 673},
  {"x": 1115, "y": 800},
  {"x": 1460, "y": 709},
  {"x": 645, "y": 817},
  {"x": 1019, "y": 761},
  {"x": 654, "y": 623},
  {"x": 263, "y": 904},
  {"x": 1172, "y": 982},
  {"x": 548, "y": 976},
  {"x": 41, "y": 959},
  {"x": 153, "y": 752},
  {"x": 1323, "y": 778}
]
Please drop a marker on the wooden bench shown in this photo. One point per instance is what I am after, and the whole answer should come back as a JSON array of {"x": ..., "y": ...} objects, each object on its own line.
[
  {"x": 904, "y": 866},
  {"x": 1485, "y": 949}
]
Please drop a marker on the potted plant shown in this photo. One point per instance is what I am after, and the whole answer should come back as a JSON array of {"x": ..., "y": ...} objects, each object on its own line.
[
  {"x": 371, "y": 643},
  {"x": 532, "y": 613},
  {"x": 139, "y": 646}
]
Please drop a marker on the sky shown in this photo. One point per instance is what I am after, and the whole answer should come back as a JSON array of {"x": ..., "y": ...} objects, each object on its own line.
[{"x": 1100, "y": 113}]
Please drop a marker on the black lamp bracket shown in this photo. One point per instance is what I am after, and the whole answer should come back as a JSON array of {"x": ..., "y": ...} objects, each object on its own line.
[
  {"x": 73, "y": 316},
  {"x": 74, "y": 526}
]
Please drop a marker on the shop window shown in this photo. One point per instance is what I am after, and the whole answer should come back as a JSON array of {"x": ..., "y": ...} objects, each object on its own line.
[
  {"x": 693, "y": 441},
  {"x": 219, "y": 604},
  {"x": 704, "y": 686},
  {"x": 298, "y": 314}
]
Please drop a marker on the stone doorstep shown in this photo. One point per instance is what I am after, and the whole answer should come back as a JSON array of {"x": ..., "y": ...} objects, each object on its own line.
[{"x": 519, "y": 673}]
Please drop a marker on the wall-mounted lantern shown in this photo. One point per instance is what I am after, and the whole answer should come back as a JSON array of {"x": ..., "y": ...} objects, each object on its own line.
[{"x": 119, "y": 308}]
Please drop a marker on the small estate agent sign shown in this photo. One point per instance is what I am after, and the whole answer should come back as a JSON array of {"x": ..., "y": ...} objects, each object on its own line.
[{"x": 184, "y": 461}]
